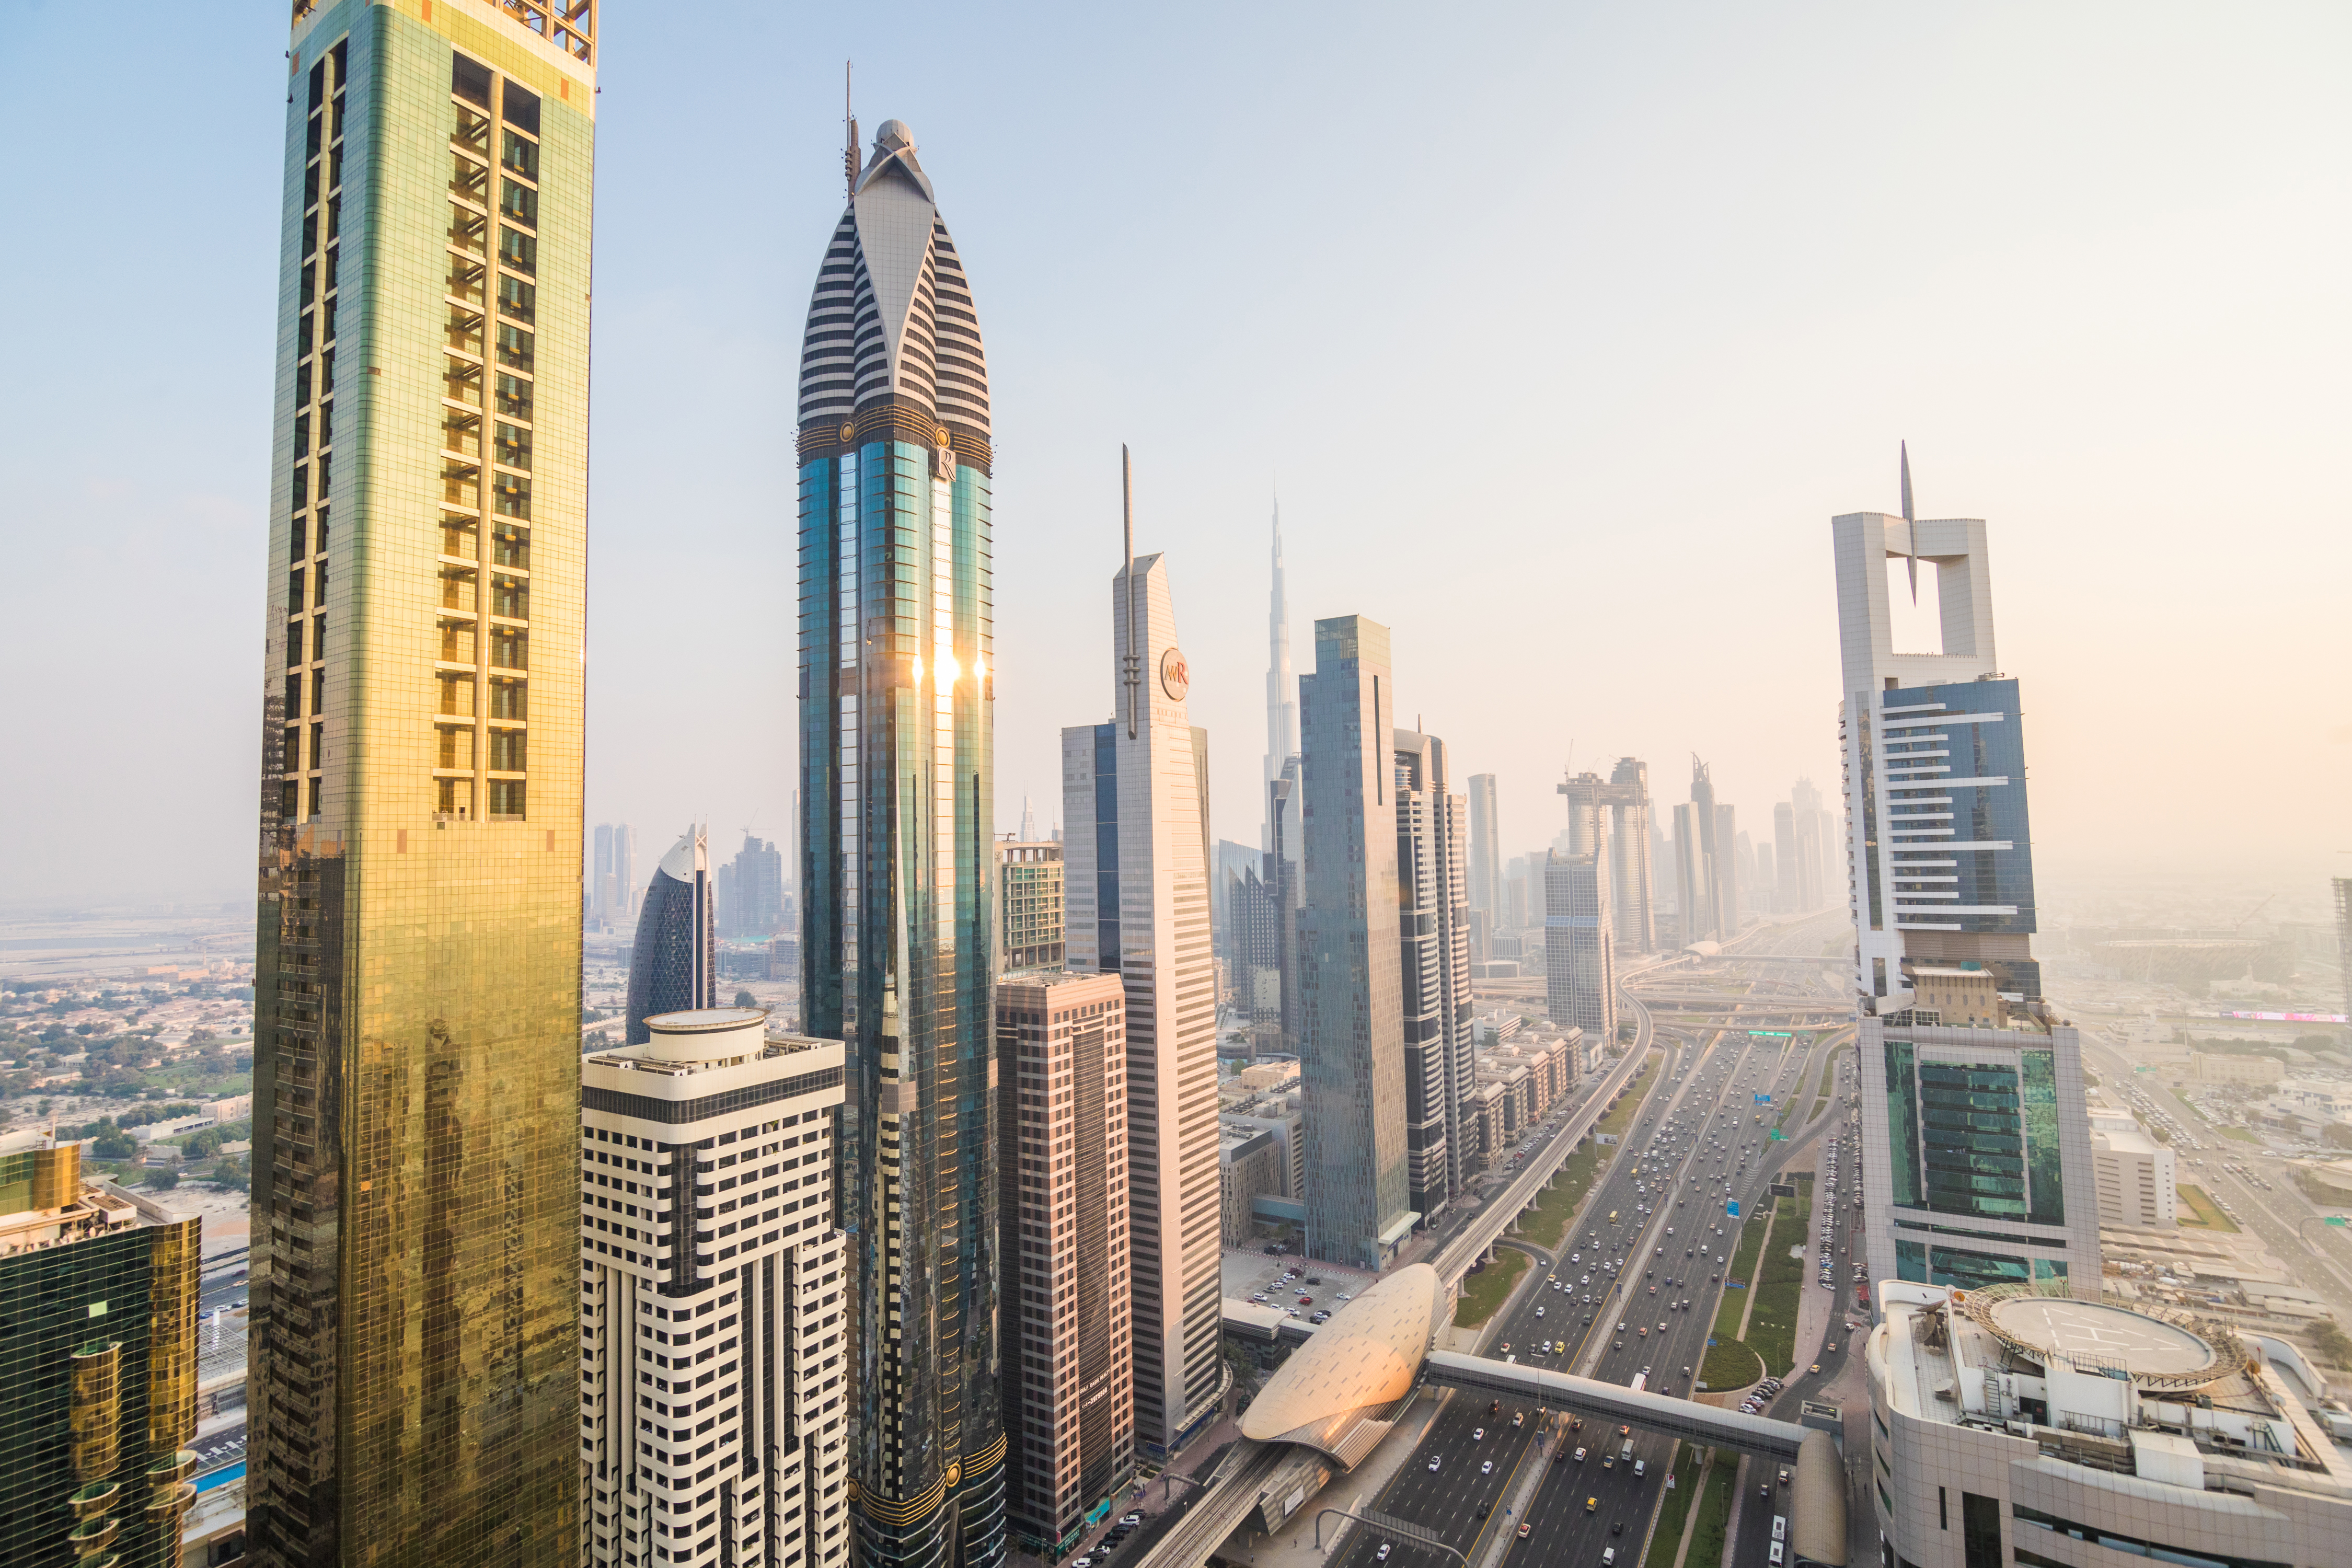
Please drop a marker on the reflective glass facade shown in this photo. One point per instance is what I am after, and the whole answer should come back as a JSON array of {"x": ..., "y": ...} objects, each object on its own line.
[
  {"x": 1979, "y": 1138},
  {"x": 1945, "y": 803},
  {"x": 1926, "y": 1263},
  {"x": 416, "y": 1379},
  {"x": 898, "y": 949},
  {"x": 674, "y": 962}
]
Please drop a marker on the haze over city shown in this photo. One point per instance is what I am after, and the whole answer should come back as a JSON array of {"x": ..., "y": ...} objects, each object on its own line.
[
  {"x": 1561, "y": 337},
  {"x": 1522, "y": 787}
]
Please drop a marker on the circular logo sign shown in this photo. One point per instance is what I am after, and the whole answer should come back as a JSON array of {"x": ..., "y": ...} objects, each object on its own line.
[{"x": 1174, "y": 679}]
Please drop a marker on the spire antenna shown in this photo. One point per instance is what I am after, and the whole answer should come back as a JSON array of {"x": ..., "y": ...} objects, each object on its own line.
[
  {"x": 1131, "y": 673},
  {"x": 849, "y": 119},
  {"x": 1911, "y": 563}
]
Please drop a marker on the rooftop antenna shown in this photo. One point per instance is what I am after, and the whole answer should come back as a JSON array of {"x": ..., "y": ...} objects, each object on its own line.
[
  {"x": 1911, "y": 563},
  {"x": 849, "y": 117},
  {"x": 1131, "y": 675}
]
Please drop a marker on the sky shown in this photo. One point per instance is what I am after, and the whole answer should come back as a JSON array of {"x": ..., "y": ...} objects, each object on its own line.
[{"x": 1561, "y": 331}]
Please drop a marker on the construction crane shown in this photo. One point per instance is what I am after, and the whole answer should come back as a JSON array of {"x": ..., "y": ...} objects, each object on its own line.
[{"x": 2249, "y": 914}]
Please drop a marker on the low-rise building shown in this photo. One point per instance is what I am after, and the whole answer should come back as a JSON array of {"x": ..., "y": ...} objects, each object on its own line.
[
  {"x": 2014, "y": 1427},
  {"x": 2215, "y": 1067},
  {"x": 1249, "y": 1167},
  {"x": 2137, "y": 1177}
]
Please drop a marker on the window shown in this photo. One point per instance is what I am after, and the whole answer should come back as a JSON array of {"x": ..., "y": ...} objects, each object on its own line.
[
  {"x": 517, "y": 299},
  {"x": 461, "y": 382},
  {"x": 522, "y": 155},
  {"x": 510, "y": 546},
  {"x": 2036, "y": 1519},
  {"x": 469, "y": 79},
  {"x": 518, "y": 250},
  {"x": 514, "y": 396},
  {"x": 515, "y": 345},
  {"x": 519, "y": 107},
  {"x": 513, "y": 446},
  {"x": 510, "y": 598},
  {"x": 508, "y": 699},
  {"x": 509, "y": 494},
  {"x": 518, "y": 202},
  {"x": 506, "y": 798},
  {"x": 507, "y": 751},
  {"x": 1981, "y": 1531},
  {"x": 469, "y": 180}
]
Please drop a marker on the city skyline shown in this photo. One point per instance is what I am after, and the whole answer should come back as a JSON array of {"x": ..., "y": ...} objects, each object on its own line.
[{"x": 2181, "y": 367}]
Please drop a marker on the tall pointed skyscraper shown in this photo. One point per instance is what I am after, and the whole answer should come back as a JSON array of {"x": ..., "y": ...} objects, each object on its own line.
[
  {"x": 897, "y": 789},
  {"x": 1281, "y": 685},
  {"x": 1136, "y": 903},
  {"x": 415, "y": 1368}
]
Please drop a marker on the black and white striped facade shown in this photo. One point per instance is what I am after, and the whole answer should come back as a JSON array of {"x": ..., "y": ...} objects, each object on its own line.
[
  {"x": 892, "y": 331},
  {"x": 714, "y": 1327}
]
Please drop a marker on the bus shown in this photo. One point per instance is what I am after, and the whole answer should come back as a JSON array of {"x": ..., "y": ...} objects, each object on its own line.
[{"x": 1641, "y": 1381}]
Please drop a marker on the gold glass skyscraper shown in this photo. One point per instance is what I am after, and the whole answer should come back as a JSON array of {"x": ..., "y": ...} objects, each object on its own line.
[{"x": 415, "y": 1386}]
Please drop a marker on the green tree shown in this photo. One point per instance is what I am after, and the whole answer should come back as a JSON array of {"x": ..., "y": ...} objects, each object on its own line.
[
  {"x": 162, "y": 1180},
  {"x": 745, "y": 999}
]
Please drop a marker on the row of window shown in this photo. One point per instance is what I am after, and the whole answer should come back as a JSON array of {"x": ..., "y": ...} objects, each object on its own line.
[
  {"x": 489, "y": 347},
  {"x": 304, "y": 740}
]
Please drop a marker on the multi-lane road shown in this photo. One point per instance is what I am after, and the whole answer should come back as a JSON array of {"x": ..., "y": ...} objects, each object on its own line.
[{"x": 1698, "y": 1144}]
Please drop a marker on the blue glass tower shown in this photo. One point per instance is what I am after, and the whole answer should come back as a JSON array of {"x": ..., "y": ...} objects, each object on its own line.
[{"x": 897, "y": 793}]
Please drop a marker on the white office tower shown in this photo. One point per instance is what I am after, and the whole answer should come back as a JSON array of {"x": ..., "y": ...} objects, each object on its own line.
[
  {"x": 1977, "y": 1158},
  {"x": 1433, "y": 922},
  {"x": 1136, "y": 900},
  {"x": 1486, "y": 850},
  {"x": 712, "y": 1411}
]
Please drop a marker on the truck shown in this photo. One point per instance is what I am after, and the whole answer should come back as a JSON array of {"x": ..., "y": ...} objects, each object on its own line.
[
  {"x": 1641, "y": 1381},
  {"x": 1625, "y": 1454}
]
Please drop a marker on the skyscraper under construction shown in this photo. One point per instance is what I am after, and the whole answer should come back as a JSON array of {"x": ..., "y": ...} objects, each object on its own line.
[
  {"x": 898, "y": 798},
  {"x": 416, "y": 1375}
]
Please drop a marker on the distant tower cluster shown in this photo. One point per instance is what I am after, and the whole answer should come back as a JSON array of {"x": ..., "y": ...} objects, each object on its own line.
[{"x": 1612, "y": 817}]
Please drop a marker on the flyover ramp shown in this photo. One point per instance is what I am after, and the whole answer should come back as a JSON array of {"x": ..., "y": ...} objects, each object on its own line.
[{"x": 1455, "y": 1258}]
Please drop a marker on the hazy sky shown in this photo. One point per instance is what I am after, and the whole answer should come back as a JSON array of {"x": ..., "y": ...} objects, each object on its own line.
[{"x": 1563, "y": 331}]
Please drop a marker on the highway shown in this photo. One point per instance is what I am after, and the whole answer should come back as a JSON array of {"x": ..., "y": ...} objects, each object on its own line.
[{"x": 1680, "y": 1162}]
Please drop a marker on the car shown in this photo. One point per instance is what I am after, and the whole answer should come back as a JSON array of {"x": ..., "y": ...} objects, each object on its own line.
[
  {"x": 1132, "y": 1519},
  {"x": 1259, "y": 1298},
  {"x": 1580, "y": 1455},
  {"x": 1382, "y": 1554},
  {"x": 1608, "y": 1557},
  {"x": 1816, "y": 1368},
  {"x": 1306, "y": 1300},
  {"x": 1592, "y": 1505},
  {"x": 1523, "y": 1531},
  {"x": 1433, "y": 1463},
  {"x": 1487, "y": 1468},
  {"x": 1539, "y": 1311},
  {"x": 1518, "y": 1418},
  {"x": 1478, "y": 1434}
]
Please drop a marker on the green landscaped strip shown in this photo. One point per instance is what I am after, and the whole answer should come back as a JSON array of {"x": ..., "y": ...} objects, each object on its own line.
[
  {"x": 1772, "y": 1322},
  {"x": 1828, "y": 1071},
  {"x": 1546, "y": 1223},
  {"x": 1713, "y": 1512},
  {"x": 2241, "y": 1134},
  {"x": 1730, "y": 1364},
  {"x": 1743, "y": 1267},
  {"x": 1668, "y": 1541},
  {"x": 1484, "y": 1293},
  {"x": 2207, "y": 1213}
]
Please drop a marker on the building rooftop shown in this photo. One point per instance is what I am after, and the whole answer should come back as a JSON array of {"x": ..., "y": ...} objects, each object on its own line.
[{"x": 2158, "y": 1394}]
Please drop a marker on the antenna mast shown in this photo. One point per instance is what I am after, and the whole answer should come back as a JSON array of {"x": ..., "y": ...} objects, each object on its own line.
[
  {"x": 1912, "y": 563},
  {"x": 849, "y": 117},
  {"x": 1130, "y": 671}
]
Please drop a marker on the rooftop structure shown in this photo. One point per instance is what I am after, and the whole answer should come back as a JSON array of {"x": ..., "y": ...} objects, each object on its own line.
[{"x": 2006, "y": 1418}]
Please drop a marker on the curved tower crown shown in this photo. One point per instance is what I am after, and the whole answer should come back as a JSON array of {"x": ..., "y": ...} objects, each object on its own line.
[{"x": 893, "y": 340}]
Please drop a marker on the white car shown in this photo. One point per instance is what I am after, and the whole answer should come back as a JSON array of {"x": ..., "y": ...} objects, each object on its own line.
[
  {"x": 1487, "y": 1469},
  {"x": 1433, "y": 1463}
]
